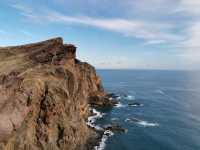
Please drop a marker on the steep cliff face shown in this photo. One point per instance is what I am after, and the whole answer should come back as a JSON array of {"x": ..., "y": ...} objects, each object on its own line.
[{"x": 45, "y": 94}]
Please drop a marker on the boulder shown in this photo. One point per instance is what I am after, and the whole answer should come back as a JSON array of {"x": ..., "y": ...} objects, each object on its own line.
[{"x": 115, "y": 128}]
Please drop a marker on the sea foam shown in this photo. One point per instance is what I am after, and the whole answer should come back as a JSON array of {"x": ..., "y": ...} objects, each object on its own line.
[
  {"x": 142, "y": 122},
  {"x": 102, "y": 144},
  {"x": 160, "y": 92},
  {"x": 148, "y": 124},
  {"x": 120, "y": 105},
  {"x": 130, "y": 97},
  {"x": 92, "y": 119},
  {"x": 107, "y": 133}
]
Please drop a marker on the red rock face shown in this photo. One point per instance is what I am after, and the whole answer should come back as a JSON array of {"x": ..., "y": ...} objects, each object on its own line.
[
  {"x": 44, "y": 98},
  {"x": 51, "y": 51},
  {"x": 71, "y": 51}
]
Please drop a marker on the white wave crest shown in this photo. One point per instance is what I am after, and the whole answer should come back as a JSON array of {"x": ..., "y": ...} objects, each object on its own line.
[
  {"x": 92, "y": 119},
  {"x": 102, "y": 144},
  {"x": 107, "y": 133},
  {"x": 137, "y": 105},
  {"x": 148, "y": 124},
  {"x": 142, "y": 122},
  {"x": 119, "y": 105},
  {"x": 130, "y": 97},
  {"x": 160, "y": 92},
  {"x": 118, "y": 97}
]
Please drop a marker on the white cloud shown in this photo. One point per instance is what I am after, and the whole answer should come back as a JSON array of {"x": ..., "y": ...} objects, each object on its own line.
[
  {"x": 194, "y": 35},
  {"x": 189, "y": 6},
  {"x": 191, "y": 46},
  {"x": 149, "y": 31},
  {"x": 134, "y": 28},
  {"x": 152, "y": 6},
  {"x": 23, "y": 8},
  {"x": 113, "y": 62},
  {"x": 152, "y": 31},
  {"x": 155, "y": 42}
]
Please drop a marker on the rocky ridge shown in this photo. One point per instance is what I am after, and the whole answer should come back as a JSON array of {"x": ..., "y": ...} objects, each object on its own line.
[{"x": 45, "y": 95}]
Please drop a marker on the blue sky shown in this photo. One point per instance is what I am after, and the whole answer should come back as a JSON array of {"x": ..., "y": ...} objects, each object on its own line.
[{"x": 122, "y": 34}]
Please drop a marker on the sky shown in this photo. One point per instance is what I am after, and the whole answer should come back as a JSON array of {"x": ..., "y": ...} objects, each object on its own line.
[{"x": 111, "y": 34}]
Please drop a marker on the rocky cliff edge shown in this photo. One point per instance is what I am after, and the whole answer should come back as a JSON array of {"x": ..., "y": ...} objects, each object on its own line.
[{"x": 45, "y": 95}]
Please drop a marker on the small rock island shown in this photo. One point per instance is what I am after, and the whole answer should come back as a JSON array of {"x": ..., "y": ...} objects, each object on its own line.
[{"x": 45, "y": 98}]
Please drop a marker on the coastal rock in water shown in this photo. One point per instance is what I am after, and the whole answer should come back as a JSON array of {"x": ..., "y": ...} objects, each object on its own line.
[
  {"x": 115, "y": 128},
  {"x": 101, "y": 100},
  {"x": 135, "y": 104},
  {"x": 45, "y": 94},
  {"x": 112, "y": 96}
]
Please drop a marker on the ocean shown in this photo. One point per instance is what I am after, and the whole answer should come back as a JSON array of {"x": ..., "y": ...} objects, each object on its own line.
[{"x": 168, "y": 117}]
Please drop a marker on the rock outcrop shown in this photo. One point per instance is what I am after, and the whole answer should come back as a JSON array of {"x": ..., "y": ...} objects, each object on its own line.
[{"x": 45, "y": 93}]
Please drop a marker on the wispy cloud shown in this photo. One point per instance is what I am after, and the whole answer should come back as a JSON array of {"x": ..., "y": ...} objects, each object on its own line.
[
  {"x": 134, "y": 28},
  {"x": 24, "y": 9},
  {"x": 151, "y": 32},
  {"x": 171, "y": 22},
  {"x": 191, "y": 46},
  {"x": 189, "y": 6},
  {"x": 152, "y": 42}
]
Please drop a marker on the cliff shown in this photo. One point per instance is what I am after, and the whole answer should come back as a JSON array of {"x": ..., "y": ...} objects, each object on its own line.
[{"x": 45, "y": 95}]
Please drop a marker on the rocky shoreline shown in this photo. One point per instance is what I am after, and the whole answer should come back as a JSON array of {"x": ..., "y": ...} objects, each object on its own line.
[
  {"x": 104, "y": 132},
  {"x": 45, "y": 98}
]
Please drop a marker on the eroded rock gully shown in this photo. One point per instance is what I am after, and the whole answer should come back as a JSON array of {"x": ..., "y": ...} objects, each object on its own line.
[{"x": 45, "y": 93}]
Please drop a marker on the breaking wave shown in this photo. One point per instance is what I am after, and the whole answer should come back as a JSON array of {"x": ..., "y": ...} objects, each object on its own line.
[
  {"x": 160, "y": 92},
  {"x": 92, "y": 119},
  {"x": 137, "y": 105},
  {"x": 142, "y": 122},
  {"x": 130, "y": 97},
  {"x": 120, "y": 105},
  {"x": 105, "y": 137}
]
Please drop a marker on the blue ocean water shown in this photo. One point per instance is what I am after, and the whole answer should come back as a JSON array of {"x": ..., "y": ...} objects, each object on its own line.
[{"x": 169, "y": 118}]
